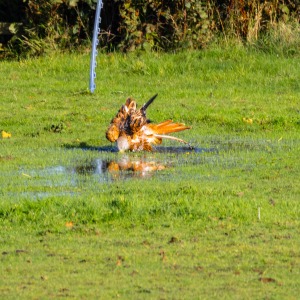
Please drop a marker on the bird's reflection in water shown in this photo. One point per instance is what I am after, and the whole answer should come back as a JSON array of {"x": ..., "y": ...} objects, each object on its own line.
[
  {"x": 135, "y": 168},
  {"x": 122, "y": 168}
]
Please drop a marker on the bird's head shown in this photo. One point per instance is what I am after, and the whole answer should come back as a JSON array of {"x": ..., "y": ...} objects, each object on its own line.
[{"x": 123, "y": 143}]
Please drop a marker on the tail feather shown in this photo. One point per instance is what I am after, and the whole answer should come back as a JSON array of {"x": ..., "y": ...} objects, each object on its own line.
[
  {"x": 145, "y": 106},
  {"x": 167, "y": 127},
  {"x": 162, "y": 136}
]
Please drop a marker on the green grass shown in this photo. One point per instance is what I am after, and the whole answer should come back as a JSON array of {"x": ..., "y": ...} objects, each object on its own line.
[{"x": 221, "y": 222}]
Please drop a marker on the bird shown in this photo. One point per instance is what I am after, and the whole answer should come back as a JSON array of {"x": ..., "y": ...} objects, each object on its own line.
[{"x": 133, "y": 131}]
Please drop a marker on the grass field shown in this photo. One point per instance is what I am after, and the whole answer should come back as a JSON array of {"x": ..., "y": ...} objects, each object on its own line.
[{"x": 221, "y": 221}]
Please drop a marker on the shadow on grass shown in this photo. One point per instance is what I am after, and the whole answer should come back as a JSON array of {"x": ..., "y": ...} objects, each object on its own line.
[
  {"x": 86, "y": 146},
  {"x": 158, "y": 149}
]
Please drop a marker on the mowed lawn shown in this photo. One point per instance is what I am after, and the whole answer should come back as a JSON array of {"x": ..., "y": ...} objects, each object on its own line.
[{"x": 217, "y": 221}]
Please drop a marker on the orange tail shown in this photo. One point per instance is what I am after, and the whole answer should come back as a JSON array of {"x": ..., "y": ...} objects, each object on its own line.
[
  {"x": 160, "y": 131},
  {"x": 167, "y": 127}
]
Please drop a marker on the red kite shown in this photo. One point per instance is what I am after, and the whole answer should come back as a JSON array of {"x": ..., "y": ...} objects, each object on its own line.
[{"x": 132, "y": 131}]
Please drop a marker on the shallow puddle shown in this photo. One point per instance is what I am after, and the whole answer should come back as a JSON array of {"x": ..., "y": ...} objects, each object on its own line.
[
  {"x": 132, "y": 165},
  {"x": 78, "y": 169},
  {"x": 86, "y": 169}
]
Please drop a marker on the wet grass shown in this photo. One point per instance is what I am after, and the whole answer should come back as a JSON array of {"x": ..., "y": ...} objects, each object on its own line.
[{"x": 79, "y": 220}]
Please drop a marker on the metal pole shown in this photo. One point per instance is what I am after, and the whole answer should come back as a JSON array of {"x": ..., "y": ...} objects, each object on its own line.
[{"x": 95, "y": 43}]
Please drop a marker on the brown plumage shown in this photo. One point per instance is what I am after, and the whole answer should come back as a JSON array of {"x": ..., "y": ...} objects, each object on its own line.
[
  {"x": 128, "y": 120},
  {"x": 132, "y": 131}
]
